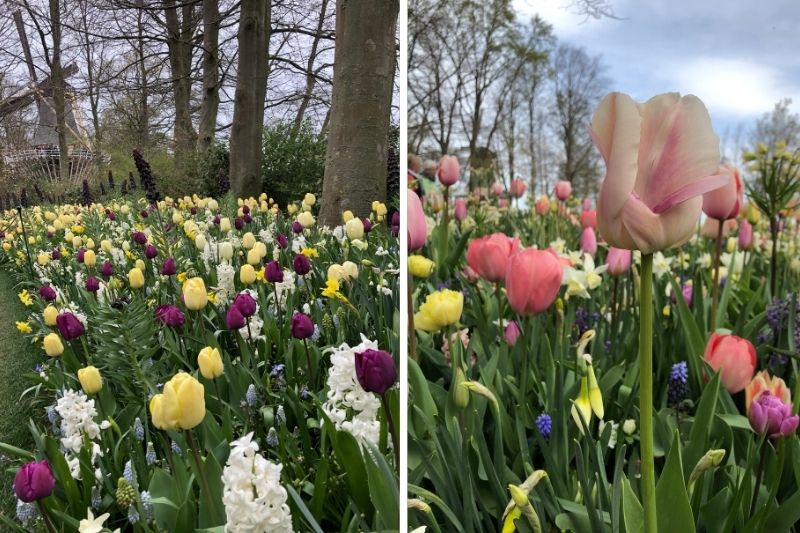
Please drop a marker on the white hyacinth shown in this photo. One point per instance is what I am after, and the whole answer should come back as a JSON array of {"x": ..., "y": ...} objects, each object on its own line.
[
  {"x": 349, "y": 406},
  {"x": 77, "y": 414},
  {"x": 255, "y": 500}
]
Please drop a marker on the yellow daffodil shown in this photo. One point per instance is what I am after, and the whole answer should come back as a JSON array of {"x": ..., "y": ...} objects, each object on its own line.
[
  {"x": 441, "y": 308},
  {"x": 25, "y": 298},
  {"x": 331, "y": 290},
  {"x": 23, "y": 327},
  {"x": 309, "y": 252}
]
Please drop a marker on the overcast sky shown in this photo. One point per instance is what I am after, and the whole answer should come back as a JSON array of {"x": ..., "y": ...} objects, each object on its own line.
[{"x": 739, "y": 56}]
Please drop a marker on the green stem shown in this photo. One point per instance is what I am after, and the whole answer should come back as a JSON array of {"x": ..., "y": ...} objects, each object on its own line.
[
  {"x": 759, "y": 475},
  {"x": 392, "y": 431},
  {"x": 646, "y": 394},
  {"x": 199, "y": 463},
  {"x": 45, "y": 516},
  {"x": 412, "y": 334},
  {"x": 310, "y": 366},
  {"x": 715, "y": 287}
]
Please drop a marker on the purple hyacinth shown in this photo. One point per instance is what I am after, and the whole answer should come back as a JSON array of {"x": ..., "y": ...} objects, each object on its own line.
[
  {"x": 678, "y": 389},
  {"x": 544, "y": 424}
]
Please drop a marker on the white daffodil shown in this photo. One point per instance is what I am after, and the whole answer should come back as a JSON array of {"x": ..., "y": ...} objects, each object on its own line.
[
  {"x": 661, "y": 264},
  {"x": 704, "y": 261},
  {"x": 558, "y": 245},
  {"x": 580, "y": 282},
  {"x": 733, "y": 262},
  {"x": 90, "y": 524}
]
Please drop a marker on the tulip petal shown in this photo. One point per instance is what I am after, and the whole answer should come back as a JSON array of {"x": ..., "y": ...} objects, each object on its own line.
[
  {"x": 678, "y": 146},
  {"x": 651, "y": 232},
  {"x": 789, "y": 425},
  {"x": 690, "y": 190}
]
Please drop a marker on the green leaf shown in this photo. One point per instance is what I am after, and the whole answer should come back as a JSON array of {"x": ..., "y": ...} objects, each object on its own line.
[
  {"x": 382, "y": 487},
  {"x": 701, "y": 426},
  {"x": 301, "y": 506},
  {"x": 672, "y": 501},
  {"x": 631, "y": 509}
]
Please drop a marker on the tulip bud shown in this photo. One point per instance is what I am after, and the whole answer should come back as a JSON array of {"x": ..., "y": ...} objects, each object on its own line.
[
  {"x": 225, "y": 250},
  {"x": 89, "y": 258},
  {"x": 34, "y": 481},
  {"x": 512, "y": 333},
  {"x": 246, "y": 304},
  {"x": 195, "y": 296},
  {"x": 302, "y": 326},
  {"x": 210, "y": 363},
  {"x": 247, "y": 274},
  {"x": 53, "y": 346},
  {"x": 91, "y": 381},
  {"x": 354, "y": 228},
  {"x": 460, "y": 393},
  {"x": 136, "y": 278},
  {"x": 273, "y": 272},
  {"x": 301, "y": 265},
  {"x": 50, "y": 314},
  {"x": 234, "y": 319}
]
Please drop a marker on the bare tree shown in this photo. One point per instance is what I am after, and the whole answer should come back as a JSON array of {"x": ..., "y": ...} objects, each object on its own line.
[
  {"x": 778, "y": 125},
  {"x": 364, "y": 68},
  {"x": 210, "y": 104}
]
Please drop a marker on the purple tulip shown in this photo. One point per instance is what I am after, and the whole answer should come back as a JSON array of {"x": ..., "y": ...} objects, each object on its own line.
[
  {"x": 111, "y": 215},
  {"x": 395, "y": 224},
  {"x": 283, "y": 241},
  {"x": 297, "y": 227},
  {"x": 2, "y": 234},
  {"x": 150, "y": 251},
  {"x": 193, "y": 210},
  {"x": 273, "y": 272},
  {"x": 92, "y": 284},
  {"x": 688, "y": 292},
  {"x": 55, "y": 255},
  {"x": 79, "y": 255},
  {"x": 216, "y": 220},
  {"x": 247, "y": 218},
  {"x": 302, "y": 326},
  {"x": 238, "y": 223},
  {"x": 34, "y": 481},
  {"x": 245, "y": 209},
  {"x": 107, "y": 269},
  {"x": 69, "y": 326},
  {"x": 49, "y": 235},
  {"x": 375, "y": 371},
  {"x": 301, "y": 264},
  {"x": 367, "y": 225},
  {"x": 47, "y": 293},
  {"x": 770, "y": 414},
  {"x": 234, "y": 319},
  {"x": 169, "y": 268},
  {"x": 170, "y": 315},
  {"x": 139, "y": 237},
  {"x": 143, "y": 213},
  {"x": 245, "y": 303}
]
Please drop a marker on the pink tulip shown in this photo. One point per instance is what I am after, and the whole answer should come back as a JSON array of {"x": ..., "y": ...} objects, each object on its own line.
[
  {"x": 734, "y": 358},
  {"x": 460, "y": 209},
  {"x": 488, "y": 256},
  {"x": 533, "y": 280},
  {"x": 588, "y": 241},
  {"x": 517, "y": 188},
  {"x": 661, "y": 157},
  {"x": 512, "y": 333},
  {"x": 417, "y": 225},
  {"x": 587, "y": 204},
  {"x": 449, "y": 170},
  {"x": 773, "y": 416},
  {"x": 745, "y": 235},
  {"x": 589, "y": 219},
  {"x": 502, "y": 202},
  {"x": 724, "y": 203},
  {"x": 497, "y": 188},
  {"x": 470, "y": 275},
  {"x": 563, "y": 190},
  {"x": 711, "y": 227},
  {"x": 542, "y": 205},
  {"x": 618, "y": 261}
]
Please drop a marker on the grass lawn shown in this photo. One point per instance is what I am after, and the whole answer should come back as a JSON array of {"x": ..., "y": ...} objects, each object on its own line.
[{"x": 17, "y": 356}]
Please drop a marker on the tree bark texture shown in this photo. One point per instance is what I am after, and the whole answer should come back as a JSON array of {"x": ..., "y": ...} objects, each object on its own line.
[
  {"x": 59, "y": 90},
  {"x": 179, "y": 34},
  {"x": 210, "y": 105}
]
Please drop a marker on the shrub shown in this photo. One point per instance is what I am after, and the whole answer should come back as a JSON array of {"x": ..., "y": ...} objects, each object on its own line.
[{"x": 293, "y": 162}]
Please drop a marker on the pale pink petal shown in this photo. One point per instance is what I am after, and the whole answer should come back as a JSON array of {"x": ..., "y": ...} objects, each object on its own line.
[
  {"x": 651, "y": 232},
  {"x": 690, "y": 190},
  {"x": 678, "y": 146}
]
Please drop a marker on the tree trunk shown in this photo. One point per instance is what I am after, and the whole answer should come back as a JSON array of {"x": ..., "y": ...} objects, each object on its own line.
[
  {"x": 311, "y": 80},
  {"x": 180, "y": 57},
  {"x": 59, "y": 89},
  {"x": 208, "y": 110},
  {"x": 251, "y": 88},
  {"x": 363, "y": 73},
  {"x": 143, "y": 119}
]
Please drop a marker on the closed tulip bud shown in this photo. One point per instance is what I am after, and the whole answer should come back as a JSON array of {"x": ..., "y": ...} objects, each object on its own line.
[
  {"x": 195, "y": 296},
  {"x": 336, "y": 272},
  {"x": 732, "y": 356},
  {"x": 517, "y": 188},
  {"x": 725, "y": 202},
  {"x": 302, "y": 326},
  {"x": 106, "y": 246},
  {"x": 375, "y": 371},
  {"x": 140, "y": 265},
  {"x": 350, "y": 269},
  {"x": 563, "y": 190},
  {"x": 460, "y": 393},
  {"x": 306, "y": 219},
  {"x": 200, "y": 242},
  {"x": 347, "y": 216},
  {"x": 225, "y": 250},
  {"x": 247, "y": 274},
  {"x": 210, "y": 363},
  {"x": 618, "y": 261},
  {"x": 89, "y": 258},
  {"x": 90, "y": 243},
  {"x": 273, "y": 272},
  {"x": 234, "y": 318},
  {"x": 253, "y": 257},
  {"x": 297, "y": 227},
  {"x": 282, "y": 240},
  {"x": 53, "y": 345},
  {"x": 106, "y": 269},
  {"x": 47, "y": 293},
  {"x": 588, "y": 241},
  {"x": 139, "y": 238},
  {"x": 50, "y": 314},
  {"x": 354, "y": 228},
  {"x": 69, "y": 326},
  {"x": 225, "y": 224},
  {"x": 489, "y": 256},
  {"x": 76, "y": 242},
  {"x": 533, "y": 279},
  {"x": 92, "y": 284},
  {"x": 449, "y": 170},
  {"x": 261, "y": 248},
  {"x": 246, "y": 304},
  {"x": 589, "y": 219},
  {"x": 248, "y": 240},
  {"x": 79, "y": 256},
  {"x": 169, "y": 268},
  {"x": 136, "y": 278},
  {"x": 460, "y": 209},
  {"x": 170, "y": 315},
  {"x": 512, "y": 333},
  {"x": 182, "y": 404},
  {"x": 91, "y": 381},
  {"x": 150, "y": 251},
  {"x": 745, "y": 235},
  {"x": 301, "y": 265},
  {"x": 34, "y": 481},
  {"x": 309, "y": 199}
]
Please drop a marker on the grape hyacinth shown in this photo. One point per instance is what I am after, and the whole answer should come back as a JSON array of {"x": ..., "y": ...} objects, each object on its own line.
[
  {"x": 678, "y": 384},
  {"x": 544, "y": 424},
  {"x": 250, "y": 396}
]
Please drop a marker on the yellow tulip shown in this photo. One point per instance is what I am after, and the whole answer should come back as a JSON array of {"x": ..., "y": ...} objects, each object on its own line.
[
  {"x": 441, "y": 308},
  {"x": 261, "y": 248},
  {"x": 225, "y": 224},
  {"x": 89, "y": 258},
  {"x": 140, "y": 264},
  {"x": 354, "y": 228},
  {"x": 420, "y": 266},
  {"x": 43, "y": 259},
  {"x": 53, "y": 345},
  {"x": 309, "y": 199},
  {"x": 253, "y": 257},
  {"x": 90, "y": 243},
  {"x": 225, "y": 250},
  {"x": 6, "y": 246},
  {"x": 305, "y": 219},
  {"x": 183, "y": 405},
  {"x": 210, "y": 363},
  {"x": 106, "y": 246},
  {"x": 136, "y": 278},
  {"x": 195, "y": 296},
  {"x": 350, "y": 269},
  {"x": 248, "y": 240},
  {"x": 336, "y": 272},
  {"x": 50, "y": 314},
  {"x": 91, "y": 381},
  {"x": 347, "y": 216},
  {"x": 76, "y": 242},
  {"x": 200, "y": 242},
  {"x": 247, "y": 274}
]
